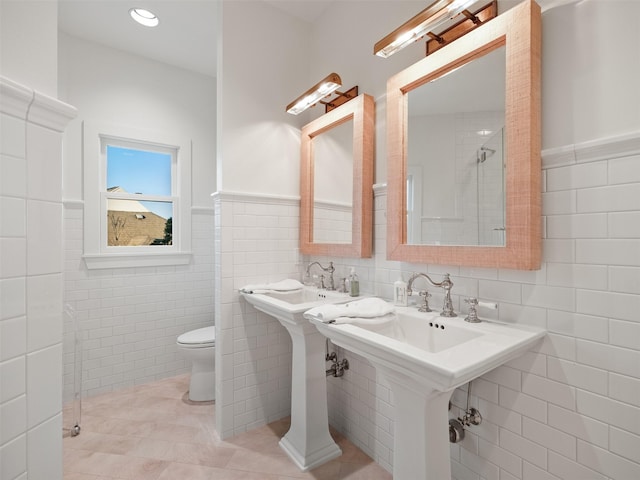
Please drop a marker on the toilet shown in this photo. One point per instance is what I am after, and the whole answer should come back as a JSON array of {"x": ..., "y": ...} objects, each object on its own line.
[{"x": 198, "y": 346}]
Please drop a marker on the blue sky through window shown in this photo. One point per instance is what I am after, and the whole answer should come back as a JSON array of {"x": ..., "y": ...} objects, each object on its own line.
[{"x": 141, "y": 171}]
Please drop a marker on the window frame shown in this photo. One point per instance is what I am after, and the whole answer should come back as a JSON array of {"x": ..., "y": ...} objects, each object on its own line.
[{"x": 97, "y": 254}]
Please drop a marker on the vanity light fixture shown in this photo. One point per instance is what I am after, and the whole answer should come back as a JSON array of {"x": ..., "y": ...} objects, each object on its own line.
[
  {"x": 144, "y": 17},
  {"x": 435, "y": 15},
  {"x": 322, "y": 89}
]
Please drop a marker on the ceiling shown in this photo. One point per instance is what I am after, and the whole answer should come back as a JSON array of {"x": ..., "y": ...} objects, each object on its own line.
[{"x": 185, "y": 37}]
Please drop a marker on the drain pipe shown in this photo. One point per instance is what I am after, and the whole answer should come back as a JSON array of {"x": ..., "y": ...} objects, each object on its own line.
[
  {"x": 337, "y": 366},
  {"x": 471, "y": 417}
]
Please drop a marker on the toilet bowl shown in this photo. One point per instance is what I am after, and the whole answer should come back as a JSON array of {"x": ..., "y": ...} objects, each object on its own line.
[{"x": 198, "y": 346}]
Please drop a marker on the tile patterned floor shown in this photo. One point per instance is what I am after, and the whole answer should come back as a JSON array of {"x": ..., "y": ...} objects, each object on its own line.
[{"x": 153, "y": 432}]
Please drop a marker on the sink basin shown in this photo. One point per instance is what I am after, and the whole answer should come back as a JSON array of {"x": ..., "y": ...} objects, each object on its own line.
[
  {"x": 438, "y": 352},
  {"x": 308, "y": 442},
  {"x": 424, "y": 357},
  {"x": 289, "y": 306},
  {"x": 433, "y": 336}
]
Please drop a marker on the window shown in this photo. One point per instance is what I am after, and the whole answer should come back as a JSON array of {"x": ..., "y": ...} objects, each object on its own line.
[
  {"x": 137, "y": 209},
  {"x": 139, "y": 196}
]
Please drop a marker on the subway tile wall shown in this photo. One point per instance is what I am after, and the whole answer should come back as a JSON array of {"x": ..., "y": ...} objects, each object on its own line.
[
  {"x": 567, "y": 409},
  {"x": 570, "y": 408},
  {"x": 332, "y": 223},
  {"x": 129, "y": 319},
  {"x": 256, "y": 241}
]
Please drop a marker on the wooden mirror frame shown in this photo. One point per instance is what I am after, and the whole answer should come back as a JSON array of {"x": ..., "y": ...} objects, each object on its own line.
[
  {"x": 519, "y": 29},
  {"x": 361, "y": 110}
]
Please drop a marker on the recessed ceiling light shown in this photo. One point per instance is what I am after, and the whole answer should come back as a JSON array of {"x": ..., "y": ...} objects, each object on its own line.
[{"x": 144, "y": 17}]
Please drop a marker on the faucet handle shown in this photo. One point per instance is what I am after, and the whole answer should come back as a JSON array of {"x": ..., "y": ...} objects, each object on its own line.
[
  {"x": 472, "y": 316},
  {"x": 473, "y": 302},
  {"x": 425, "y": 306}
]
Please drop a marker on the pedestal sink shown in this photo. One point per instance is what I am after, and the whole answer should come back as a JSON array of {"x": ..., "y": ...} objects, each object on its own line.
[
  {"x": 308, "y": 442},
  {"x": 424, "y": 358}
]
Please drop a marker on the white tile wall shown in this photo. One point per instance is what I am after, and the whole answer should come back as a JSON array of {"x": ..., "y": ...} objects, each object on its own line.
[
  {"x": 567, "y": 410},
  {"x": 570, "y": 408},
  {"x": 13, "y": 457},
  {"x": 129, "y": 319},
  {"x": 13, "y": 253},
  {"x": 13, "y": 415},
  {"x": 332, "y": 223},
  {"x": 43, "y": 457},
  {"x": 44, "y": 389},
  {"x": 14, "y": 215},
  {"x": 256, "y": 241},
  {"x": 30, "y": 283}
]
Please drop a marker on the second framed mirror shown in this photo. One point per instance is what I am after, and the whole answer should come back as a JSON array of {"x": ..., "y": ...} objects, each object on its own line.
[{"x": 336, "y": 180}]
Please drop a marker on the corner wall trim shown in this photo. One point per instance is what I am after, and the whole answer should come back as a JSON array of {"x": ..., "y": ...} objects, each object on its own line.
[
  {"x": 36, "y": 108},
  {"x": 73, "y": 204},
  {"x": 202, "y": 210},
  {"x": 592, "y": 150},
  {"x": 379, "y": 189},
  {"x": 255, "y": 198}
]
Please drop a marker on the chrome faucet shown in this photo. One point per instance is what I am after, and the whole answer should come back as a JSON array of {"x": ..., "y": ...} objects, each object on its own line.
[
  {"x": 330, "y": 269},
  {"x": 446, "y": 284}
]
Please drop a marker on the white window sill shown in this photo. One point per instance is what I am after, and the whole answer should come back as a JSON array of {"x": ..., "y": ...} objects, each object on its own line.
[{"x": 131, "y": 260}]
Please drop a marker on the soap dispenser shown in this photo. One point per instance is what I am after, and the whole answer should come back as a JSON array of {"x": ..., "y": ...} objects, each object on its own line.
[
  {"x": 354, "y": 283},
  {"x": 400, "y": 298}
]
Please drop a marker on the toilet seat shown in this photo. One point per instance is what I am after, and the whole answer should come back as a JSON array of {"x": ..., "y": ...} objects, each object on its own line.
[{"x": 200, "y": 338}]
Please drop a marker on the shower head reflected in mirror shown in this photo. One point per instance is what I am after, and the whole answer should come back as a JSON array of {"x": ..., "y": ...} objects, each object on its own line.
[{"x": 484, "y": 153}]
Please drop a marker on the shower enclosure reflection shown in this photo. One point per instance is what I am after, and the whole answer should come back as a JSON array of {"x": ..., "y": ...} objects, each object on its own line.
[
  {"x": 455, "y": 157},
  {"x": 490, "y": 190},
  {"x": 477, "y": 210}
]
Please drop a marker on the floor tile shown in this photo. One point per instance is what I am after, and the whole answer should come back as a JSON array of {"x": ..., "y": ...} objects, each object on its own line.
[{"x": 154, "y": 432}]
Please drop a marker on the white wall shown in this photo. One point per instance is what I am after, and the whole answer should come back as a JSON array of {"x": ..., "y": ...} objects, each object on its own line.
[
  {"x": 28, "y": 52},
  {"x": 563, "y": 410},
  {"x": 130, "y": 318},
  {"x": 258, "y": 154},
  {"x": 260, "y": 73},
  {"x": 31, "y": 282},
  {"x": 31, "y": 125},
  {"x": 342, "y": 41},
  {"x": 567, "y": 410},
  {"x": 256, "y": 237},
  {"x": 604, "y": 69},
  {"x": 110, "y": 86}
]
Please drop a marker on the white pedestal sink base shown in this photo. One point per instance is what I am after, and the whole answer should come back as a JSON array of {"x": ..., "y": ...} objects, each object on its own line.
[
  {"x": 421, "y": 435},
  {"x": 423, "y": 365},
  {"x": 310, "y": 460},
  {"x": 308, "y": 441}
]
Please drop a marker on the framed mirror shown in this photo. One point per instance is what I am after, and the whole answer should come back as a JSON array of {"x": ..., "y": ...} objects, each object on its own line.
[
  {"x": 336, "y": 181},
  {"x": 463, "y": 139}
]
